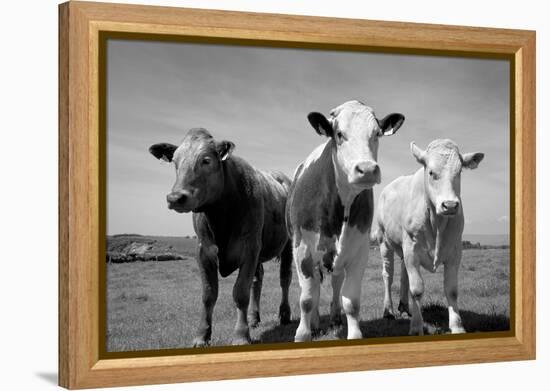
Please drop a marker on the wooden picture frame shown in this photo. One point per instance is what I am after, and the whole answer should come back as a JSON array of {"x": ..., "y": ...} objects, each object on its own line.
[{"x": 83, "y": 26}]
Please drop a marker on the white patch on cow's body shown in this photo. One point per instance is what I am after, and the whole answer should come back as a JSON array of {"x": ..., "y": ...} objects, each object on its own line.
[{"x": 312, "y": 158}]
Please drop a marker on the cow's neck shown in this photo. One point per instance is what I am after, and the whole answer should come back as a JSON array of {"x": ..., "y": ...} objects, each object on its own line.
[
  {"x": 436, "y": 225},
  {"x": 217, "y": 211},
  {"x": 346, "y": 192}
]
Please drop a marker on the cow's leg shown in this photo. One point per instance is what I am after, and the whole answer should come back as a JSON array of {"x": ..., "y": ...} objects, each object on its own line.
[
  {"x": 403, "y": 307},
  {"x": 285, "y": 277},
  {"x": 336, "y": 303},
  {"x": 316, "y": 293},
  {"x": 208, "y": 267},
  {"x": 416, "y": 289},
  {"x": 241, "y": 296},
  {"x": 387, "y": 275},
  {"x": 309, "y": 279},
  {"x": 247, "y": 253},
  {"x": 451, "y": 292},
  {"x": 255, "y": 293},
  {"x": 351, "y": 292}
]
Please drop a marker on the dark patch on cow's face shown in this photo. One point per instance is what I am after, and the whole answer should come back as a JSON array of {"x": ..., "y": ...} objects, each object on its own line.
[
  {"x": 199, "y": 171},
  {"x": 361, "y": 211}
]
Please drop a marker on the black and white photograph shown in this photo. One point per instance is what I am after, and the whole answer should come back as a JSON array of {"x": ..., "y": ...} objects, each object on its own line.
[{"x": 261, "y": 195}]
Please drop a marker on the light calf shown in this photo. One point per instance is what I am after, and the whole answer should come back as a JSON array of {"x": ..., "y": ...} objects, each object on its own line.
[
  {"x": 330, "y": 209},
  {"x": 420, "y": 218}
]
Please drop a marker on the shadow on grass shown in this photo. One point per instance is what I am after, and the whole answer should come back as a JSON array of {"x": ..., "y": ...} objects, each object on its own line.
[{"x": 436, "y": 320}]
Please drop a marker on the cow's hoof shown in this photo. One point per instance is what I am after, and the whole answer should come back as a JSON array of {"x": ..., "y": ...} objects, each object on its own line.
[
  {"x": 241, "y": 337},
  {"x": 200, "y": 342},
  {"x": 284, "y": 314},
  {"x": 458, "y": 330},
  {"x": 302, "y": 336},
  {"x": 336, "y": 321},
  {"x": 355, "y": 334},
  {"x": 239, "y": 341},
  {"x": 416, "y": 330},
  {"x": 254, "y": 319},
  {"x": 403, "y": 310},
  {"x": 388, "y": 314}
]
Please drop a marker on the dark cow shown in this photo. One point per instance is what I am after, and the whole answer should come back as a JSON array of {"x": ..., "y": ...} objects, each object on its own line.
[
  {"x": 330, "y": 209},
  {"x": 238, "y": 215}
]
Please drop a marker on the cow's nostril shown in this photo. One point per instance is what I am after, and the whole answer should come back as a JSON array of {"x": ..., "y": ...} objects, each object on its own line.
[
  {"x": 449, "y": 205},
  {"x": 174, "y": 198},
  {"x": 367, "y": 168}
]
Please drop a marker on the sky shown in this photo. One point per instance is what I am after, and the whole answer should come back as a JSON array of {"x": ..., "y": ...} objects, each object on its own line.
[{"x": 259, "y": 99}]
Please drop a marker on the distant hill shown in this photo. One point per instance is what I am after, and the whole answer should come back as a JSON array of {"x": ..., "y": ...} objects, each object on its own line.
[{"x": 488, "y": 240}]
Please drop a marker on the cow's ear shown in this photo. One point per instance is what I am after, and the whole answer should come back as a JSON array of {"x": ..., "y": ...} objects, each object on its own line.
[
  {"x": 321, "y": 124},
  {"x": 163, "y": 151},
  {"x": 391, "y": 123},
  {"x": 472, "y": 160},
  {"x": 418, "y": 154},
  {"x": 225, "y": 149}
]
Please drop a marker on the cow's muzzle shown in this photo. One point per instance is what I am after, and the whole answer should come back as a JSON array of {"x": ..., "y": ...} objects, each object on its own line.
[
  {"x": 367, "y": 172},
  {"x": 449, "y": 208},
  {"x": 180, "y": 201}
]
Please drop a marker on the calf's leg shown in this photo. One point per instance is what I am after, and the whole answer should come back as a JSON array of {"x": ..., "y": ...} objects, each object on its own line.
[
  {"x": 387, "y": 275},
  {"x": 403, "y": 307},
  {"x": 256, "y": 293},
  {"x": 285, "y": 277},
  {"x": 416, "y": 288},
  {"x": 208, "y": 268},
  {"x": 450, "y": 283}
]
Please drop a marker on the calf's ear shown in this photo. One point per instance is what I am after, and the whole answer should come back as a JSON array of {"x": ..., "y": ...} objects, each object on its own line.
[
  {"x": 418, "y": 154},
  {"x": 391, "y": 123},
  {"x": 472, "y": 160},
  {"x": 163, "y": 151},
  {"x": 321, "y": 124},
  {"x": 225, "y": 149}
]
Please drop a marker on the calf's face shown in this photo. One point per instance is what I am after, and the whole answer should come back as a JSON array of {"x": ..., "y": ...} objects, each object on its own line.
[
  {"x": 443, "y": 165},
  {"x": 356, "y": 132},
  {"x": 199, "y": 169}
]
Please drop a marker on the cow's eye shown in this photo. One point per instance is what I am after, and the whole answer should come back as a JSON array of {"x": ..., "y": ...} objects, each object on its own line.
[
  {"x": 340, "y": 137},
  {"x": 433, "y": 175},
  {"x": 206, "y": 161}
]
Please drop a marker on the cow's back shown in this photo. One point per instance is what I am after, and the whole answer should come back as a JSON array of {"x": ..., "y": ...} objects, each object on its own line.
[{"x": 275, "y": 186}]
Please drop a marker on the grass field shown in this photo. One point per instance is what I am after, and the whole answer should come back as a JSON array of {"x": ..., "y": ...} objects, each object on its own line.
[{"x": 156, "y": 305}]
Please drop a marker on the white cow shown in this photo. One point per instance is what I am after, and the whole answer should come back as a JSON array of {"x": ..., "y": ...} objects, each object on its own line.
[
  {"x": 420, "y": 218},
  {"x": 330, "y": 208}
]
